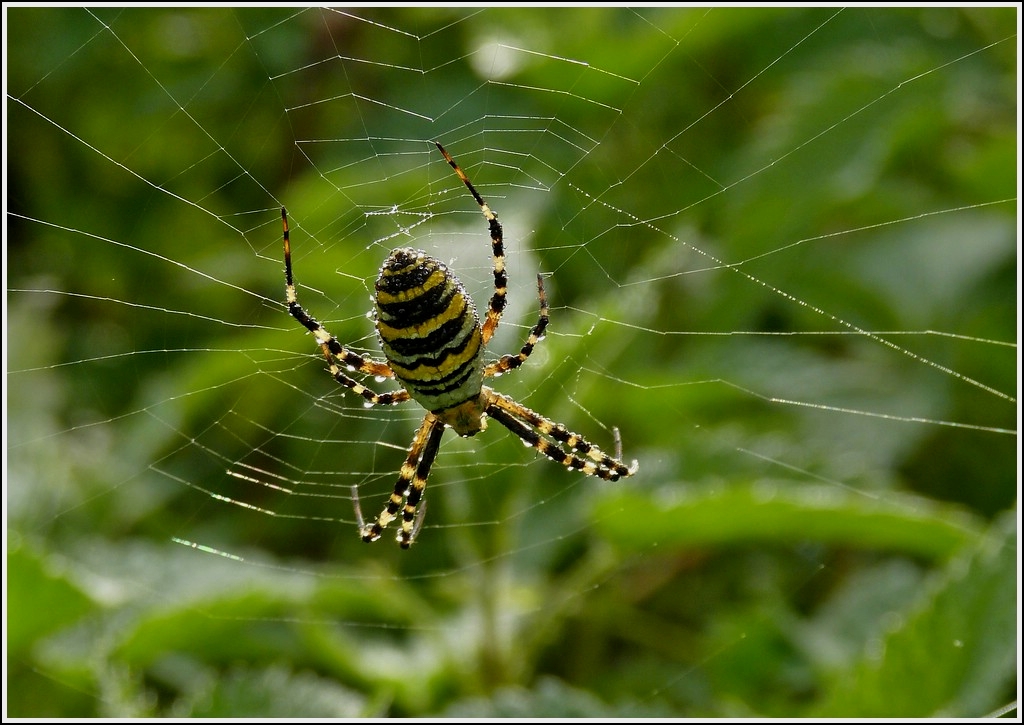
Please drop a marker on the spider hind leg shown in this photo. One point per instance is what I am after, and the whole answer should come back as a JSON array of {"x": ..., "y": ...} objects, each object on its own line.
[
  {"x": 534, "y": 430},
  {"x": 412, "y": 479}
]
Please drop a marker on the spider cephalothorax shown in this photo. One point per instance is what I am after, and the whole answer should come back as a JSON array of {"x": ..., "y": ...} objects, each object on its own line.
[{"x": 433, "y": 343}]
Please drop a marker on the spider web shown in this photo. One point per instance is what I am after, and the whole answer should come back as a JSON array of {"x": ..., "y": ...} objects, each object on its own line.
[{"x": 785, "y": 280}]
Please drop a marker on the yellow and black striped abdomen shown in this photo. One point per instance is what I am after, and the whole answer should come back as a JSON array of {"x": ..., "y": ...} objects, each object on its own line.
[{"x": 429, "y": 330}]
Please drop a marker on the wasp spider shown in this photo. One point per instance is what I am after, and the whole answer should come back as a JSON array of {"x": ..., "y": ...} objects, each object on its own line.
[{"x": 432, "y": 338}]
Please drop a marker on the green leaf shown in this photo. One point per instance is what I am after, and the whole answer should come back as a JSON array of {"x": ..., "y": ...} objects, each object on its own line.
[
  {"x": 275, "y": 692},
  {"x": 781, "y": 513},
  {"x": 953, "y": 653},
  {"x": 549, "y": 698},
  {"x": 41, "y": 598}
]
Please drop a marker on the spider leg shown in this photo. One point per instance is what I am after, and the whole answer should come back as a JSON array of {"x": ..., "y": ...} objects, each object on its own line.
[
  {"x": 361, "y": 522},
  {"x": 497, "y": 305},
  {"x": 371, "y": 397},
  {"x": 507, "y": 363},
  {"x": 326, "y": 340},
  {"x": 412, "y": 479},
  {"x": 411, "y": 519},
  {"x": 532, "y": 428}
]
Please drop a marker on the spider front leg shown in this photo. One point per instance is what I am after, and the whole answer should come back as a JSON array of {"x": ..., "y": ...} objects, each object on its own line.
[
  {"x": 497, "y": 305},
  {"x": 333, "y": 350},
  {"x": 412, "y": 479},
  {"x": 371, "y": 397},
  {"x": 507, "y": 363}
]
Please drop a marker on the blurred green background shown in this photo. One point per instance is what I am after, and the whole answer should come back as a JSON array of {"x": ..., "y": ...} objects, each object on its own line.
[{"x": 824, "y": 522}]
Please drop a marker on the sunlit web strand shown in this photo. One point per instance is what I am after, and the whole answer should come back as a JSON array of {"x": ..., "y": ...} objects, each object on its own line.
[
  {"x": 784, "y": 333},
  {"x": 776, "y": 160},
  {"x": 818, "y": 310},
  {"x": 154, "y": 308},
  {"x": 819, "y": 406},
  {"x": 146, "y": 252},
  {"x": 184, "y": 111}
]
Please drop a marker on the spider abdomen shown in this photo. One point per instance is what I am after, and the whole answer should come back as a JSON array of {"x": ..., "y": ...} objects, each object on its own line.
[{"x": 429, "y": 330}]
